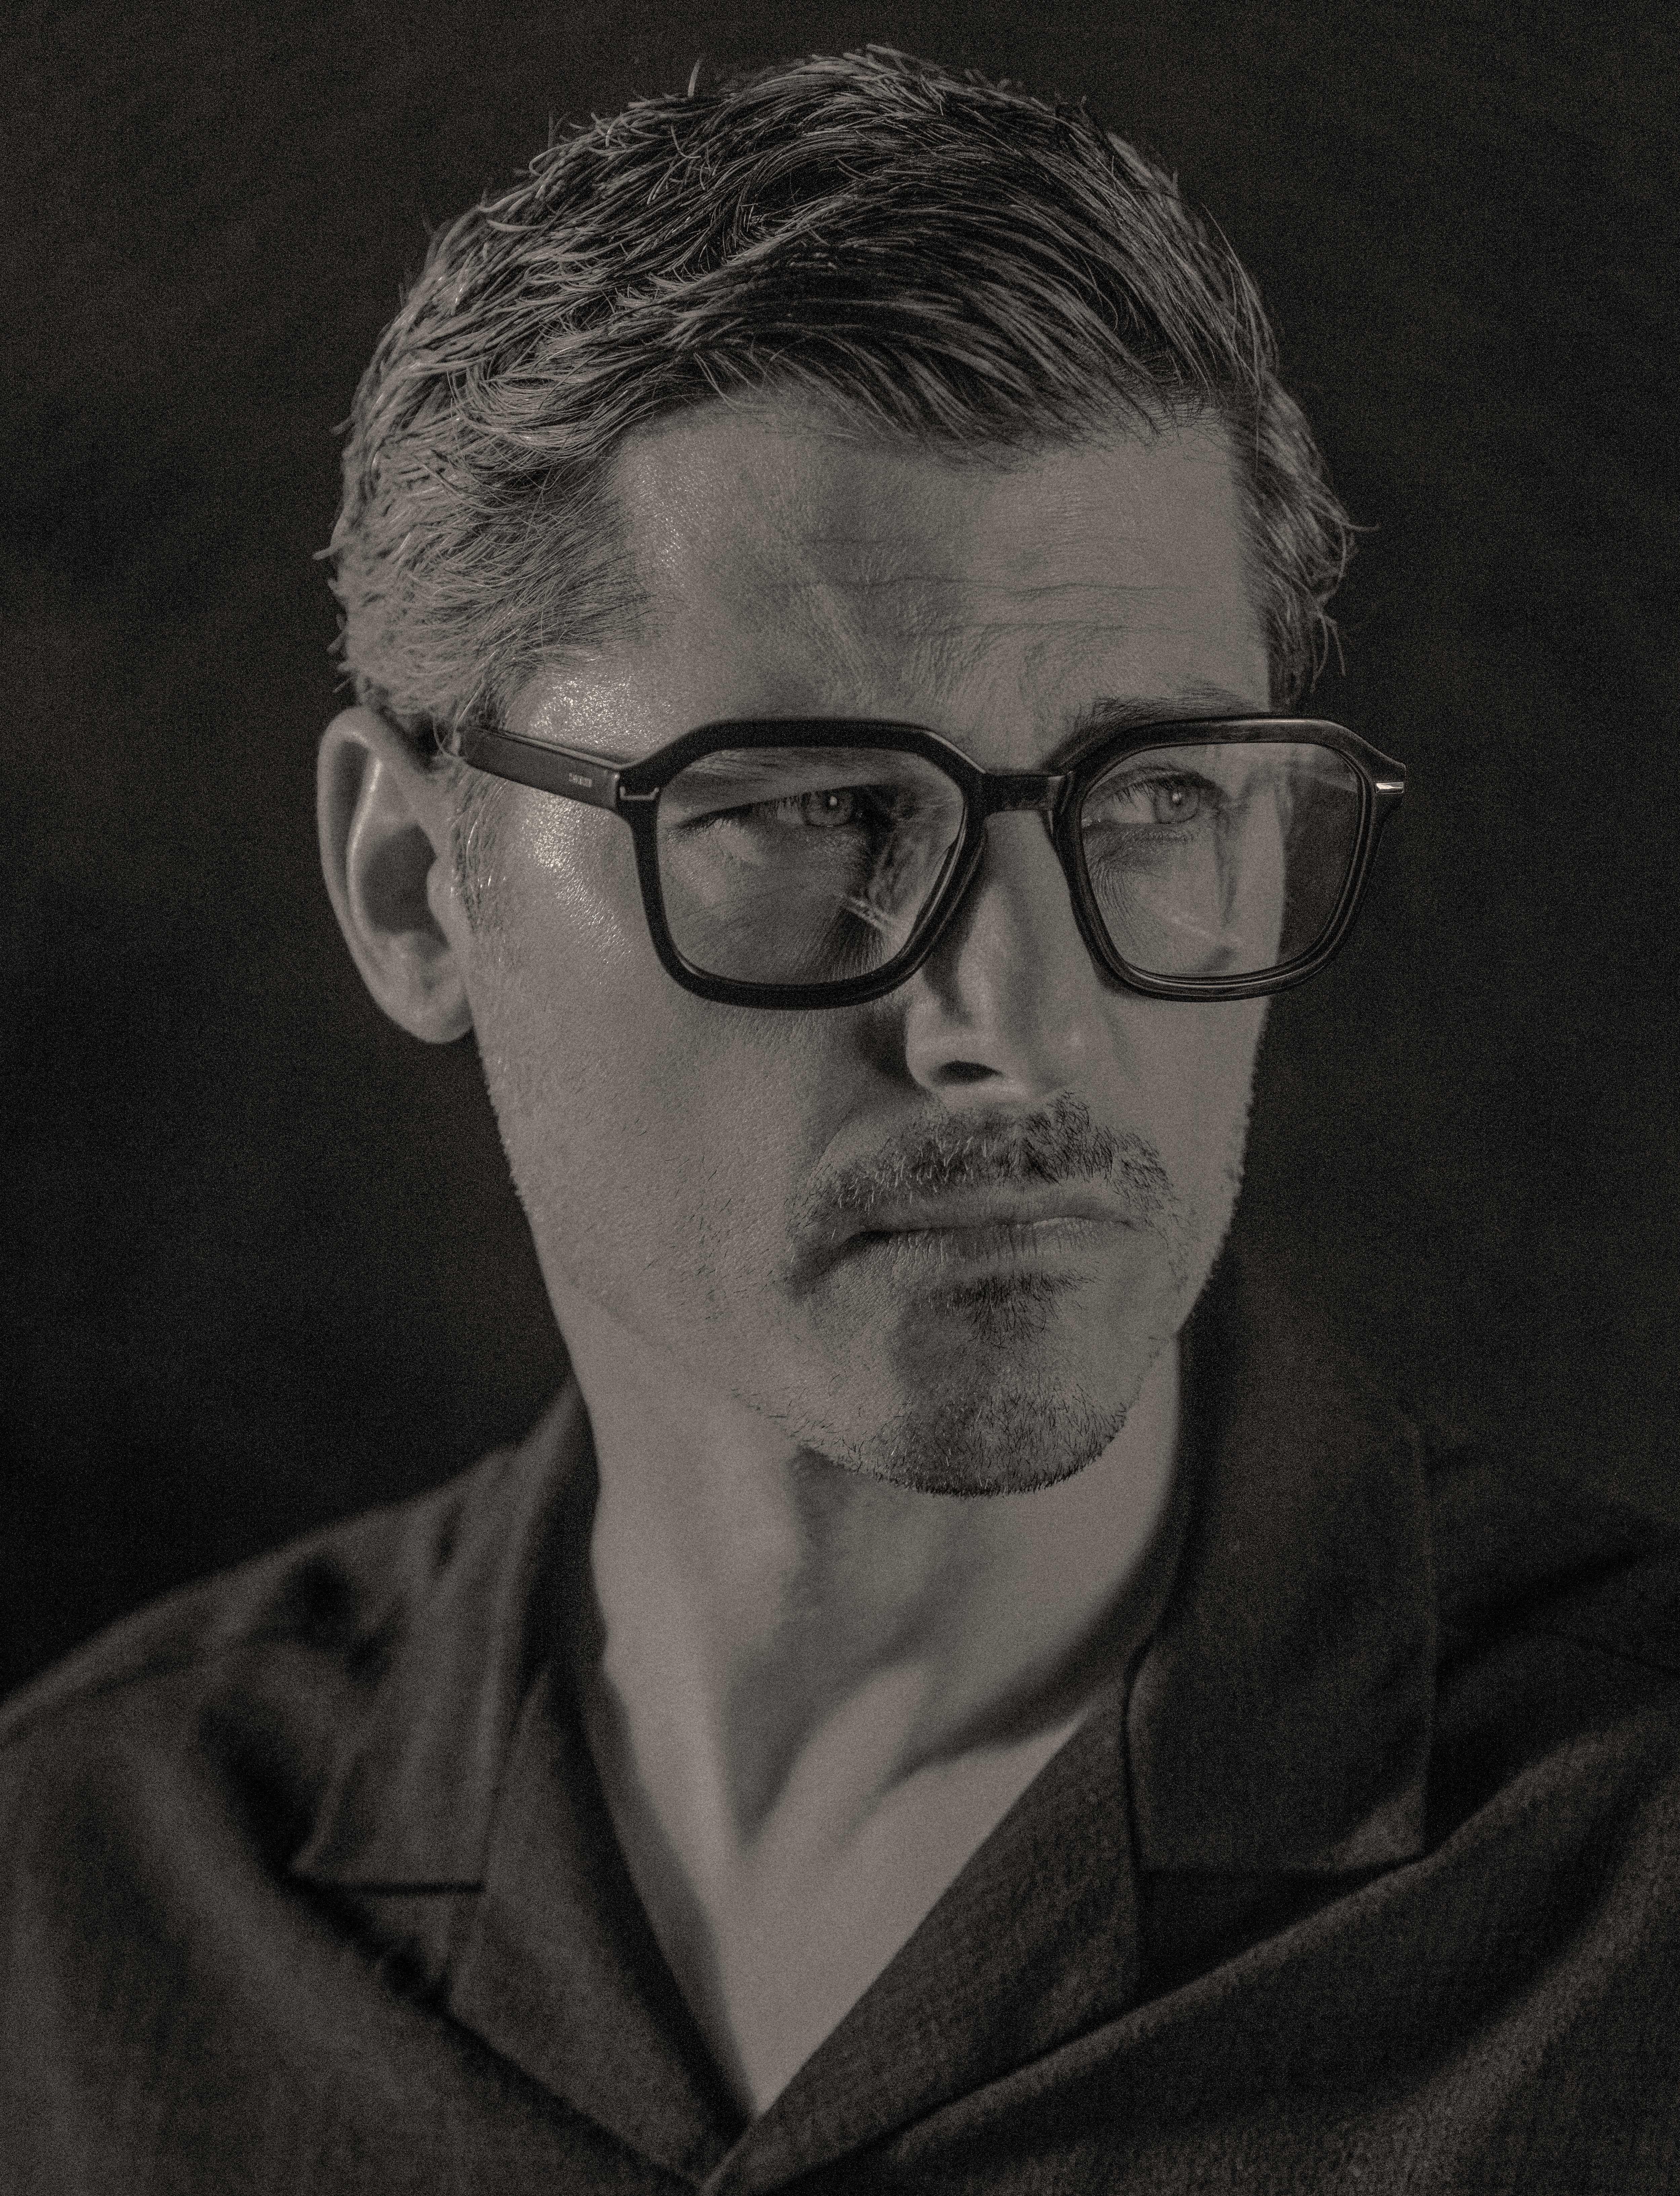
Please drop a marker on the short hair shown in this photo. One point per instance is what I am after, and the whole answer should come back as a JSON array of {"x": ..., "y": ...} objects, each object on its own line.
[{"x": 932, "y": 255}]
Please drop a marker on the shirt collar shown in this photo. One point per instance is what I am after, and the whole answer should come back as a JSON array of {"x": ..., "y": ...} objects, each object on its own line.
[
  {"x": 473, "y": 1609},
  {"x": 1279, "y": 1719}
]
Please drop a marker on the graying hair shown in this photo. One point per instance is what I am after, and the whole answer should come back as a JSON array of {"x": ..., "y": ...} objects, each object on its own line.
[{"x": 934, "y": 255}]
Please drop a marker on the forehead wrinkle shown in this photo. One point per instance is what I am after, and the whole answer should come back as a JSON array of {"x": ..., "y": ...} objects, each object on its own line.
[
  {"x": 823, "y": 627},
  {"x": 933, "y": 651},
  {"x": 867, "y": 589},
  {"x": 923, "y": 611},
  {"x": 841, "y": 617}
]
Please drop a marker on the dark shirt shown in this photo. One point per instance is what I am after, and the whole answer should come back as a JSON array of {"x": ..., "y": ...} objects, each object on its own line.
[{"x": 1364, "y": 1879}]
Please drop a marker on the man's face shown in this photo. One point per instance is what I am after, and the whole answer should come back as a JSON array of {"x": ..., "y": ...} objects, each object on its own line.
[{"x": 941, "y": 1237}]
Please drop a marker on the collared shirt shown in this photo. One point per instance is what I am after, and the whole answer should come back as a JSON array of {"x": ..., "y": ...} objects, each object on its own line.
[{"x": 1367, "y": 1878}]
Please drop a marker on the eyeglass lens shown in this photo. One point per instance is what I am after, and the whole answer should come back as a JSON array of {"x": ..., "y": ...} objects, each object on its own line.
[
  {"x": 1220, "y": 861},
  {"x": 802, "y": 865}
]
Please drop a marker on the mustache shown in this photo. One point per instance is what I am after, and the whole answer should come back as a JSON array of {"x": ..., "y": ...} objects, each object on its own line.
[{"x": 1062, "y": 1142}]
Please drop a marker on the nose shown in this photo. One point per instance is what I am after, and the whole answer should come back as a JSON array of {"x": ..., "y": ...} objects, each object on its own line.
[{"x": 1009, "y": 1009}]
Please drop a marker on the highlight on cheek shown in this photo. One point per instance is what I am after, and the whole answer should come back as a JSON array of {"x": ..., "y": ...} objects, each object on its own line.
[{"x": 582, "y": 859}]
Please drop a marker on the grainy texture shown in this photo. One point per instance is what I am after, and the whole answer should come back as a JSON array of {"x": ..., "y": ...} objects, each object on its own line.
[
  {"x": 1370, "y": 1881},
  {"x": 262, "y": 1263}
]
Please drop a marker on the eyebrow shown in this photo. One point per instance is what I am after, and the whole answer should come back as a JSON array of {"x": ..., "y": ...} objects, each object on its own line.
[
  {"x": 771, "y": 763},
  {"x": 1117, "y": 713}
]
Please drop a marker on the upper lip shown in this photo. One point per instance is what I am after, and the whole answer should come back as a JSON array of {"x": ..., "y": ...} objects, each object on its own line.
[{"x": 1012, "y": 1206}]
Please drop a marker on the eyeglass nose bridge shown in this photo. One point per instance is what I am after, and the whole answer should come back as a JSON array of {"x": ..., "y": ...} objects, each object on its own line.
[{"x": 1043, "y": 790}]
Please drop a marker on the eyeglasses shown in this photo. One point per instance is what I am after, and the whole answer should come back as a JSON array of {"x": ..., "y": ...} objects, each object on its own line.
[{"x": 816, "y": 862}]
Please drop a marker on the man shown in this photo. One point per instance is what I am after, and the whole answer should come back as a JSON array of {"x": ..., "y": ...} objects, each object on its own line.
[{"x": 964, "y": 1691}]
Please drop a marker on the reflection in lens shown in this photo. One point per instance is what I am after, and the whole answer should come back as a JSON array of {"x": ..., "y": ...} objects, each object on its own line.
[
  {"x": 803, "y": 865},
  {"x": 1217, "y": 861}
]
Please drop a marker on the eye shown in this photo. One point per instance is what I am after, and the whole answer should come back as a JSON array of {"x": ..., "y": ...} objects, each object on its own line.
[
  {"x": 1159, "y": 801},
  {"x": 826, "y": 809},
  {"x": 1174, "y": 800},
  {"x": 829, "y": 810}
]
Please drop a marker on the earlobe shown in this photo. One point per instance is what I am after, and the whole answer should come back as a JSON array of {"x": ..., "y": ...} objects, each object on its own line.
[{"x": 384, "y": 830}]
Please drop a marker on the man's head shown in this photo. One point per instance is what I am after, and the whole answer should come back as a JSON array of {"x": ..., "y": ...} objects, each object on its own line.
[{"x": 861, "y": 390}]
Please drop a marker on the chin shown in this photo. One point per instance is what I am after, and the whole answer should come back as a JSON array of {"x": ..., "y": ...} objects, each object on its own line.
[
  {"x": 1001, "y": 1393},
  {"x": 1015, "y": 1438}
]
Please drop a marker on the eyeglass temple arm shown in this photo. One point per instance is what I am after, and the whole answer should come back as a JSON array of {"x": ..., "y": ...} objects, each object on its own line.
[{"x": 571, "y": 772}]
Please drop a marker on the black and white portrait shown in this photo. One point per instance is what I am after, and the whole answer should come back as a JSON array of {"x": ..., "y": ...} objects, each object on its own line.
[{"x": 840, "y": 1152}]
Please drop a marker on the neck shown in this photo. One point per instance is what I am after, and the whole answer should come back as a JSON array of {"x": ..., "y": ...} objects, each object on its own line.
[{"x": 770, "y": 1619}]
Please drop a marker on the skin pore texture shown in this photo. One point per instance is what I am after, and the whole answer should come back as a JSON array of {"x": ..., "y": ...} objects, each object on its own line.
[{"x": 873, "y": 1309}]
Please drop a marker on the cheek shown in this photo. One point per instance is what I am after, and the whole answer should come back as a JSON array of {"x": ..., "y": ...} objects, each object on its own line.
[
  {"x": 653, "y": 1135},
  {"x": 1197, "y": 1066},
  {"x": 566, "y": 1006},
  {"x": 565, "y": 876}
]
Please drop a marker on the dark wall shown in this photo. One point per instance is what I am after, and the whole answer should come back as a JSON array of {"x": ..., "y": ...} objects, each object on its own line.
[{"x": 263, "y": 1263}]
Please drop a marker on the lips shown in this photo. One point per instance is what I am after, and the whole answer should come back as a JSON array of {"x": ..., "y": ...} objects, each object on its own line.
[
  {"x": 1054, "y": 1190},
  {"x": 961, "y": 1211},
  {"x": 1052, "y": 1240},
  {"x": 1052, "y": 1228}
]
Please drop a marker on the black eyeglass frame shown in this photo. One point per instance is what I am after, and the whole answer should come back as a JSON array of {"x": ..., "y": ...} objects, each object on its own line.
[{"x": 632, "y": 790}]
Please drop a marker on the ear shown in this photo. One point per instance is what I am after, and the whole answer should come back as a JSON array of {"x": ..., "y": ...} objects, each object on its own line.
[{"x": 384, "y": 821}]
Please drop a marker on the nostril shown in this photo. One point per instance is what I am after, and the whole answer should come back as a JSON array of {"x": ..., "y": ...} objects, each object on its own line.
[{"x": 965, "y": 1071}]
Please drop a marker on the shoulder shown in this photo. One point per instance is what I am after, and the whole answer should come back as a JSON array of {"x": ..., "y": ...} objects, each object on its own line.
[
  {"x": 1521, "y": 1551},
  {"x": 272, "y": 1660},
  {"x": 159, "y": 1957},
  {"x": 1557, "y": 1696}
]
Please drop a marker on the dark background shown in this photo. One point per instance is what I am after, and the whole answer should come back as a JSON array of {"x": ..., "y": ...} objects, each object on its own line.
[{"x": 262, "y": 1265}]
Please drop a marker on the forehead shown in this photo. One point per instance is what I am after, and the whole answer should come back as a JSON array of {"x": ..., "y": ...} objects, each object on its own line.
[{"x": 792, "y": 567}]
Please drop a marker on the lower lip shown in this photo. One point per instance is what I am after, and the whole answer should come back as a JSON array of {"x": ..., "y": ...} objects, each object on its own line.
[{"x": 1061, "y": 1244}]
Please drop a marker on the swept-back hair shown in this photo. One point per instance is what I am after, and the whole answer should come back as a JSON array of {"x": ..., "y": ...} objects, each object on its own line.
[{"x": 927, "y": 254}]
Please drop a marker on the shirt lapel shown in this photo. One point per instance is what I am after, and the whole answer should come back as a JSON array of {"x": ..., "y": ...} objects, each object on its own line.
[
  {"x": 465, "y": 1819},
  {"x": 1036, "y": 1940},
  {"x": 1281, "y": 1718},
  {"x": 559, "y": 1970},
  {"x": 472, "y": 1614}
]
